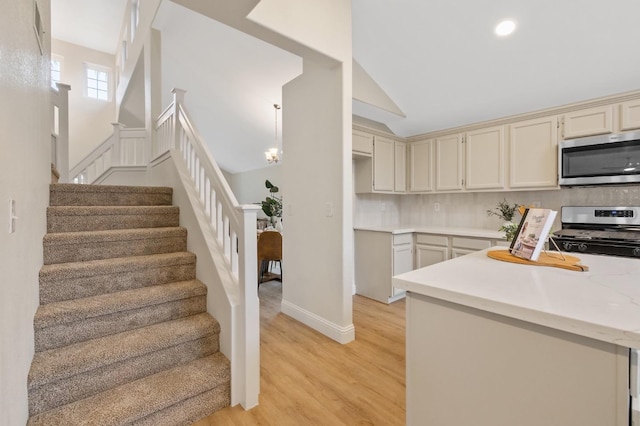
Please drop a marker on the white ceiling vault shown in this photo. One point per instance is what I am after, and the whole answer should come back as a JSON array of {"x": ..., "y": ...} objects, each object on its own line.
[{"x": 438, "y": 60}]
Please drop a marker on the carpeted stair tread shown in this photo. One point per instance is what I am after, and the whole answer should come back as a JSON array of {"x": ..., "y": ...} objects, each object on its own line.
[
  {"x": 139, "y": 399},
  {"x": 78, "y": 309},
  {"x": 67, "y": 194},
  {"x": 58, "y": 271},
  {"x": 190, "y": 410},
  {"x": 60, "y": 363},
  {"x": 91, "y": 245},
  {"x": 72, "y": 321},
  {"x": 95, "y": 218},
  {"x": 92, "y": 382},
  {"x": 63, "y": 281}
]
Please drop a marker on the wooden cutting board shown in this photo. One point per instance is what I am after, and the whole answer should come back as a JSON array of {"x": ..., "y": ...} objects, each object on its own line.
[{"x": 553, "y": 259}]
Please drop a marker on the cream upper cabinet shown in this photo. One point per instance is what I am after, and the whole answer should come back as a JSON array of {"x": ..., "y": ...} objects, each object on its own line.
[
  {"x": 421, "y": 166},
  {"x": 383, "y": 164},
  {"x": 382, "y": 171},
  {"x": 484, "y": 155},
  {"x": 449, "y": 162},
  {"x": 588, "y": 122},
  {"x": 533, "y": 153},
  {"x": 400, "y": 167},
  {"x": 361, "y": 143},
  {"x": 629, "y": 115}
]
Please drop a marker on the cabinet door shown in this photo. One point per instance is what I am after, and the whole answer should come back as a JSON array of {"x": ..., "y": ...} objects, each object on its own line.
[
  {"x": 402, "y": 262},
  {"x": 383, "y": 164},
  {"x": 630, "y": 115},
  {"x": 588, "y": 122},
  {"x": 430, "y": 255},
  {"x": 449, "y": 163},
  {"x": 533, "y": 147},
  {"x": 361, "y": 143},
  {"x": 484, "y": 155},
  {"x": 457, "y": 252},
  {"x": 421, "y": 166},
  {"x": 400, "y": 181}
]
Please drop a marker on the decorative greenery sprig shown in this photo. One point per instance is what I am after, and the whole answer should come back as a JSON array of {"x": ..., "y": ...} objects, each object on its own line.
[{"x": 504, "y": 211}]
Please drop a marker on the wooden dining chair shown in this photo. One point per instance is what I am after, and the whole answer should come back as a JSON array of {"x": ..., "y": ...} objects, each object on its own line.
[{"x": 269, "y": 250}]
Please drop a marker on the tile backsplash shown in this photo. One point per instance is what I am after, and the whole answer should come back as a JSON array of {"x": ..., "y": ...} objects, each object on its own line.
[{"x": 470, "y": 209}]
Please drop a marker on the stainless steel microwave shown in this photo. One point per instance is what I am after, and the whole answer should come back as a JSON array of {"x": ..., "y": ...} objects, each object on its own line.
[{"x": 599, "y": 160}]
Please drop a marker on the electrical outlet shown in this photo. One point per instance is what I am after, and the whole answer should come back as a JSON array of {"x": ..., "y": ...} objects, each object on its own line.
[
  {"x": 535, "y": 204},
  {"x": 328, "y": 208},
  {"x": 12, "y": 216},
  {"x": 383, "y": 207},
  {"x": 436, "y": 207}
]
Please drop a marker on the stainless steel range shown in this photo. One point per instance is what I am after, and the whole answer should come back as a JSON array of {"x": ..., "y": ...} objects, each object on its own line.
[{"x": 600, "y": 230}]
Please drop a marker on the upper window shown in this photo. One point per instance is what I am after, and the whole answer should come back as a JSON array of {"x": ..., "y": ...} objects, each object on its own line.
[
  {"x": 56, "y": 71},
  {"x": 135, "y": 17},
  {"x": 97, "y": 81}
]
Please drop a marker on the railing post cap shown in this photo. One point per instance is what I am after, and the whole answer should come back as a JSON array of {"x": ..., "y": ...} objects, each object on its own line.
[{"x": 178, "y": 93}]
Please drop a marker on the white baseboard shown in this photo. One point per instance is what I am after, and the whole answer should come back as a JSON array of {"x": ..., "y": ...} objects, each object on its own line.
[{"x": 333, "y": 331}]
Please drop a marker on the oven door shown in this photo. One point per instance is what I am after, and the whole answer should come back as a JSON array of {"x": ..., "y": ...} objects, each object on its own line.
[{"x": 600, "y": 160}]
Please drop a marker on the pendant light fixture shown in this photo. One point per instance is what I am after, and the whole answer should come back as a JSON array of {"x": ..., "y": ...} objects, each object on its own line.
[{"x": 272, "y": 153}]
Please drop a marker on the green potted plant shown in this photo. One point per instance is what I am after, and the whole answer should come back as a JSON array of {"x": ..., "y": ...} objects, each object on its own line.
[
  {"x": 272, "y": 204},
  {"x": 506, "y": 212}
]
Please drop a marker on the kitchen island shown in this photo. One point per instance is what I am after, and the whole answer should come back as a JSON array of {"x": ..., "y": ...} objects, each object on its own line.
[{"x": 496, "y": 343}]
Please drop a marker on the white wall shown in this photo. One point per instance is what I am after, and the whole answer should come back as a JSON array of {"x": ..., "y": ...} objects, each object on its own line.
[
  {"x": 248, "y": 187},
  {"x": 89, "y": 119},
  {"x": 317, "y": 259},
  {"x": 25, "y": 164}
]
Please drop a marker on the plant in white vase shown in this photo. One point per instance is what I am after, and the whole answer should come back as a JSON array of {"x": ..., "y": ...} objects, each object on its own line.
[{"x": 272, "y": 205}]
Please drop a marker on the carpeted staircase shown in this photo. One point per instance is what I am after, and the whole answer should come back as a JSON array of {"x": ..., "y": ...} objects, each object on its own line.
[{"x": 122, "y": 335}]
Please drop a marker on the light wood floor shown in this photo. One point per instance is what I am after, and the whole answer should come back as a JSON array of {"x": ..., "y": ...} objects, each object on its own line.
[{"x": 307, "y": 378}]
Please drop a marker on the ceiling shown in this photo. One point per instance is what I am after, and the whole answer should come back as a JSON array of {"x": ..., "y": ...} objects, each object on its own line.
[{"x": 438, "y": 60}]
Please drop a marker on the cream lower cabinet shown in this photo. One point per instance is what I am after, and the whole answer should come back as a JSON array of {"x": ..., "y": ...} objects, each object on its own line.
[
  {"x": 462, "y": 245},
  {"x": 378, "y": 257},
  {"x": 431, "y": 249},
  {"x": 533, "y": 153}
]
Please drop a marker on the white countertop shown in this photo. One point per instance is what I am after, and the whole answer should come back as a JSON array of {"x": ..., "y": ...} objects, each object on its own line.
[
  {"x": 458, "y": 232},
  {"x": 603, "y": 303}
]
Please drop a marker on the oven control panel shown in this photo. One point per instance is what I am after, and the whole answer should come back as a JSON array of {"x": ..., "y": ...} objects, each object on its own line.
[{"x": 613, "y": 213}]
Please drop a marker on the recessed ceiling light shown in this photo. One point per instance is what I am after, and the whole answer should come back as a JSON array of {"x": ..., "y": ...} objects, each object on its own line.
[{"x": 505, "y": 28}]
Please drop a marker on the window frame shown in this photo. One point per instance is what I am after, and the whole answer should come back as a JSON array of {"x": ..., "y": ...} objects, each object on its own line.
[
  {"x": 60, "y": 60},
  {"x": 109, "y": 80}
]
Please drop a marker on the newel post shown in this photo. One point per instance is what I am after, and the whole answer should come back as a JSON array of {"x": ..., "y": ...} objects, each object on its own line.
[
  {"x": 249, "y": 344},
  {"x": 178, "y": 100},
  {"x": 116, "y": 159}
]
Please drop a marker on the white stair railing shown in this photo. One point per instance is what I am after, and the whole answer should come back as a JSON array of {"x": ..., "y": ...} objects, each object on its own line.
[
  {"x": 60, "y": 130},
  {"x": 234, "y": 228},
  {"x": 126, "y": 147}
]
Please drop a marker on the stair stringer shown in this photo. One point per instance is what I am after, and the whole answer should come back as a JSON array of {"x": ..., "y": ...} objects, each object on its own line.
[{"x": 225, "y": 300}]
